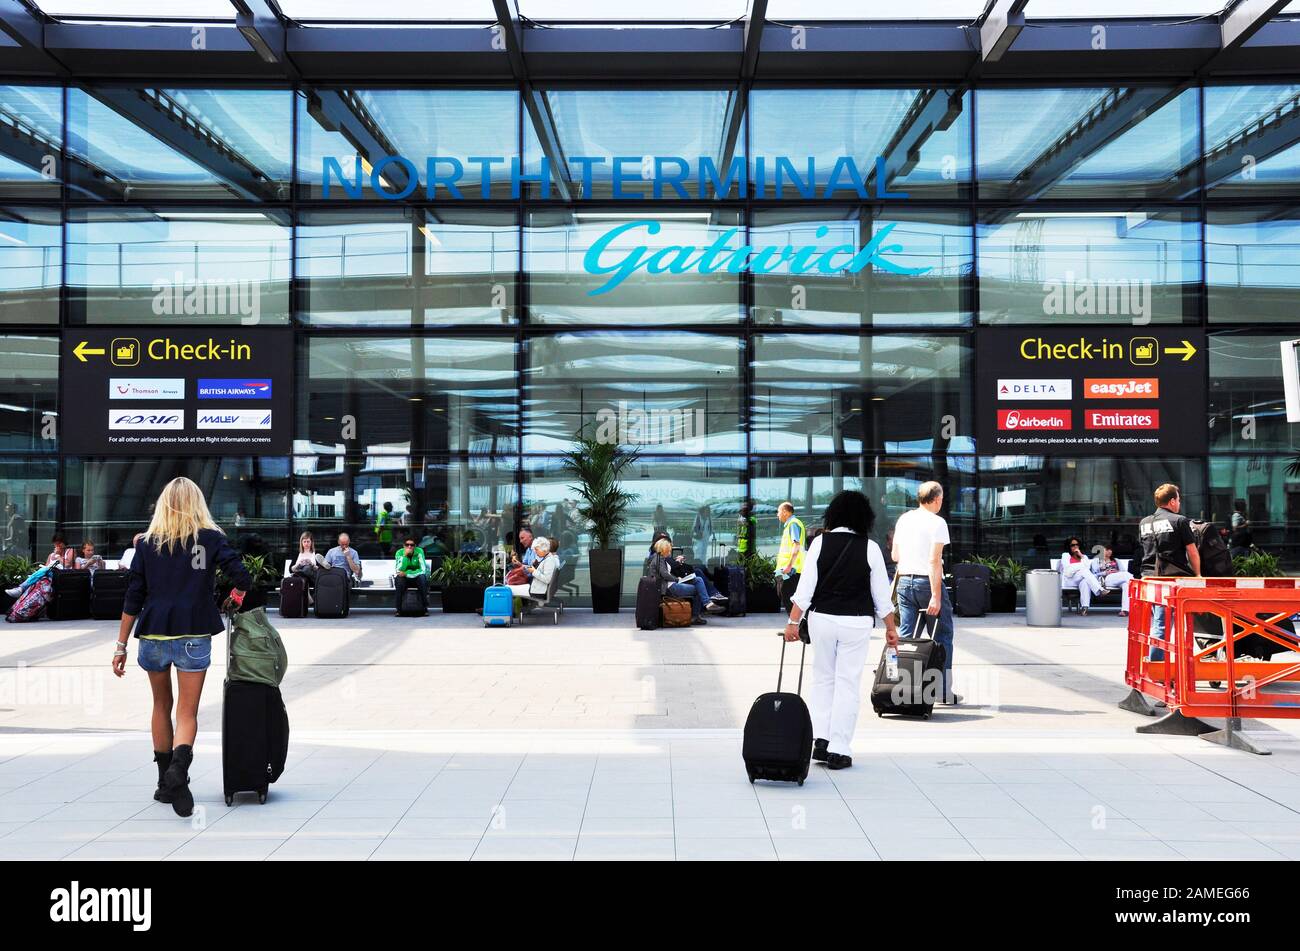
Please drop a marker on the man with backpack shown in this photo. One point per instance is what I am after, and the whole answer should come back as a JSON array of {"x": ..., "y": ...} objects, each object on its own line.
[{"x": 1168, "y": 550}]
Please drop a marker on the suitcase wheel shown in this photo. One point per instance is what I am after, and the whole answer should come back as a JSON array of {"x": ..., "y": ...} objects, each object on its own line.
[
  {"x": 261, "y": 798},
  {"x": 925, "y": 716},
  {"x": 801, "y": 782},
  {"x": 751, "y": 776},
  {"x": 230, "y": 799}
]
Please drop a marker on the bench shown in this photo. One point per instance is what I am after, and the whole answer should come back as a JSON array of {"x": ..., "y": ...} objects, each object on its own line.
[
  {"x": 534, "y": 605},
  {"x": 376, "y": 575},
  {"x": 1070, "y": 595}
]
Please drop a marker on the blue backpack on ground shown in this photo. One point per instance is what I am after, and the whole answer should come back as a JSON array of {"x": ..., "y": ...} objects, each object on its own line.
[{"x": 498, "y": 602}]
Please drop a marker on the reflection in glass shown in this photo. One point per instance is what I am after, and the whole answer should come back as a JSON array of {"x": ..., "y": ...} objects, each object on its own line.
[
  {"x": 1247, "y": 403},
  {"x": 31, "y": 265},
  {"x": 1252, "y": 263},
  {"x": 28, "y": 493},
  {"x": 1113, "y": 267},
  {"x": 1266, "y": 490},
  {"x": 31, "y": 137},
  {"x": 1252, "y": 140},
  {"x": 29, "y": 386},
  {"x": 407, "y": 267}
]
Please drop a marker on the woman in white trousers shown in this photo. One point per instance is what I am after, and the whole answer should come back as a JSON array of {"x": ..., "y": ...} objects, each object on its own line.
[{"x": 844, "y": 588}]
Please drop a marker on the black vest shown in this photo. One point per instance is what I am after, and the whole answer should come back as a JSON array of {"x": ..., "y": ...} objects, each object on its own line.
[{"x": 844, "y": 590}]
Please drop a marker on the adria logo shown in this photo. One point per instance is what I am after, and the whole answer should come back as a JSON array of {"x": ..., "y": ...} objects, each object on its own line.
[
  {"x": 1035, "y": 419},
  {"x": 1121, "y": 419},
  {"x": 140, "y": 419}
]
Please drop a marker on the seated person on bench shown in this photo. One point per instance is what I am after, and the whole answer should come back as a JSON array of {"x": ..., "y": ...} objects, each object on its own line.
[
  {"x": 344, "y": 556},
  {"x": 715, "y": 601},
  {"x": 540, "y": 572},
  {"x": 87, "y": 558},
  {"x": 1108, "y": 571},
  {"x": 408, "y": 568},
  {"x": 1076, "y": 572},
  {"x": 660, "y": 567}
]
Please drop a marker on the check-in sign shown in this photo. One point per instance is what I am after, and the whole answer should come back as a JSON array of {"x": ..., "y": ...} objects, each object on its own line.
[{"x": 146, "y": 388}]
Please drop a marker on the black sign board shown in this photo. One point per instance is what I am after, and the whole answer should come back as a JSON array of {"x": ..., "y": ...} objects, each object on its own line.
[
  {"x": 1108, "y": 391},
  {"x": 185, "y": 391}
]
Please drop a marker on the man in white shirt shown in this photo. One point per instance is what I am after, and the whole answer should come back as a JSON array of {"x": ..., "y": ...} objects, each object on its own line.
[{"x": 919, "y": 538}]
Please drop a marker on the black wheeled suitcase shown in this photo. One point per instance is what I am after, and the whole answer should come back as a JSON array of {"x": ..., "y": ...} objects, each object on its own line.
[
  {"x": 254, "y": 738},
  {"x": 108, "y": 593},
  {"x": 778, "y": 737},
  {"x": 647, "y": 604},
  {"x": 412, "y": 604},
  {"x": 70, "y": 598},
  {"x": 969, "y": 597},
  {"x": 730, "y": 580},
  {"x": 920, "y": 678},
  {"x": 293, "y": 596},
  {"x": 333, "y": 592}
]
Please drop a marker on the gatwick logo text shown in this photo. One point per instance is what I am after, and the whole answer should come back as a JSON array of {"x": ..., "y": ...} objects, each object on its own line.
[
  {"x": 1035, "y": 389},
  {"x": 1121, "y": 388},
  {"x": 1034, "y": 419},
  {"x": 137, "y": 419},
  {"x": 127, "y": 388},
  {"x": 259, "y": 419},
  {"x": 234, "y": 389},
  {"x": 1121, "y": 419}
]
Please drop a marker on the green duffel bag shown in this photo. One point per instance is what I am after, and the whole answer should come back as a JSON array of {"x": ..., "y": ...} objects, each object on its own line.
[{"x": 257, "y": 655}]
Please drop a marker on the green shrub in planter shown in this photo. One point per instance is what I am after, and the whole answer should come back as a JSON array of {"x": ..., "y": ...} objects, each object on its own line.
[
  {"x": 760, "y": 579},
  {"x": 14, "y": 569},
  {"x": 1257, "y": 564},
  {"x": 463, "y": 579}
]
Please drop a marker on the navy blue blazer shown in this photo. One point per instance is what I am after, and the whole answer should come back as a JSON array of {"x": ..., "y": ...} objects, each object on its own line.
[{"x": 171, "y": 597}]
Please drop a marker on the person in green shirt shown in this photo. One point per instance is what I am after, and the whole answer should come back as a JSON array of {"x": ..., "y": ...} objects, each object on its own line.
[
  {"x": 384, "y": 526},
  {"x": 408, "y": 568}
]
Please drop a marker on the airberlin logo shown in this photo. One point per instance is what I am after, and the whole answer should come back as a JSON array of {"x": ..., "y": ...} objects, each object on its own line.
[
  {"x": 1121, "y": 419},
  {"x": 1121, "y": 388},
  {"x": 1034, "y": 419}
]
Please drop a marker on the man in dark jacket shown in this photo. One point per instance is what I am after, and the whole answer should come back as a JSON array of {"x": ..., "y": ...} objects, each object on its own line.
[{"x": 1168, "y": 550}]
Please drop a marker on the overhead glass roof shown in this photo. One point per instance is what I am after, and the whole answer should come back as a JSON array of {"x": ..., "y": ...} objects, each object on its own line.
[
  {"x": 154, "y": 9},
  {"x": 430, "y": 10}
]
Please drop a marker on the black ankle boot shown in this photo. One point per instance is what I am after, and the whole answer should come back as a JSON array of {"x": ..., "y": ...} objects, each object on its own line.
[
  {"x": 819, "y": 750},
  {"x": 176, "y": 783},
  {"x": 838, "y": 761},
  {"x": 163, "y": 760}
]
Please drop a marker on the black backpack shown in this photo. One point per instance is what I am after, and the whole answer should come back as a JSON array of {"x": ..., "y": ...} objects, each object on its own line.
[{"x": 1216, "y": 560}]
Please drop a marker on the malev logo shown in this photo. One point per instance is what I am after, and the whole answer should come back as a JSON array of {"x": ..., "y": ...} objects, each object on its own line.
[
  {"x": 235, "y": 419},
  {"x": 141, "y": 419}
]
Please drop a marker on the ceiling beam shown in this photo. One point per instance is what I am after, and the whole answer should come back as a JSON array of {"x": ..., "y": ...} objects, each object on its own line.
[
  {"x": 24, "y": 25},
  {"x": 1003, "y": 21},
  {"x": 266, "y": 31},
  {"x": 1246, "y": 19}
]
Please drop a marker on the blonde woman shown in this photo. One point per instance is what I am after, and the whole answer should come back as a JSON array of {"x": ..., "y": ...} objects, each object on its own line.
[{"x": 170, "y": 602}]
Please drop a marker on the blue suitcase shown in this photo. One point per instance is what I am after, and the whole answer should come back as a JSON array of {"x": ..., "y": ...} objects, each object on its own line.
[{"x": 498, "y": 606}]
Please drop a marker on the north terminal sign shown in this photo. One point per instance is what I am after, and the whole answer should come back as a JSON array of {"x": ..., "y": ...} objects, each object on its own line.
[
  {"x": 1091, "y": 392},
  {"x": 215, "y": 391}
]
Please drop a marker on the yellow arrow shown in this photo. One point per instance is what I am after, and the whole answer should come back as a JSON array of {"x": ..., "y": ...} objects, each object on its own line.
[
  {"x": 83, "y": 348},
  {"x": 1187, "y": 350}
]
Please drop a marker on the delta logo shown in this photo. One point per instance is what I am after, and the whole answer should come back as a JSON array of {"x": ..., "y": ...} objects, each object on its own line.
[
  {"x": 138, "y": 419},
  {"x": 234, "y": 389},
  {"x": 1122, "y": 388},
  {"x": 1035, "y": 419},
  {"x": 1035, "y": 389},
  {"x": 235, "y": 419},
  {"x": 1121, "y": 419}
]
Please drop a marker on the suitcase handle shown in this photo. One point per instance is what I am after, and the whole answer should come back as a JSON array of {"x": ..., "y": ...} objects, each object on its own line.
[{"x": 781, "y": 671}]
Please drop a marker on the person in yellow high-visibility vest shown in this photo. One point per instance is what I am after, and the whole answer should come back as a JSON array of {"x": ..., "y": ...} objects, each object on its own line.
[{"x": 789, "y": 558}]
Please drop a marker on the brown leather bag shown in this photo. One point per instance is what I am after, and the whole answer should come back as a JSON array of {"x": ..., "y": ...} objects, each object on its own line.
[{"x": 675, "y": 612}]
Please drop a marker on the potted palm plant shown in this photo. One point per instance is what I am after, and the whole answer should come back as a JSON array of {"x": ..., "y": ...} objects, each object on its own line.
[
  {"x": 598, "y": 466},
  {"x": 463, "y": 578}
]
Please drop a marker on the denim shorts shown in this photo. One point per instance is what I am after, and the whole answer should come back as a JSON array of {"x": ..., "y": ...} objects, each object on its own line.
[{"x": 187, "y": 653}]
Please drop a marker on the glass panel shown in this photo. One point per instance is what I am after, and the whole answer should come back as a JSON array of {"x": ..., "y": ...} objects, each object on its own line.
[
  {"x": 1118, "y": 142},
  {"x": 147, "y": 143},
  {"x": 1030, "y": 505},
  {"x": 190, "y": 9},
  {"x": 31, "y": 265},
  {"x": 843, "y": 393},
  {"x": 684, "y": 10},
  {"x": 922, "y": 135},
  {"x": 1252, "y": 140},
  {"x": 1247, "y": 404},
  {"x": 415, "y": 124},
  {"x": 1265, "y": 491},
  {"x": 109, "y": 500},
  {"x": 674, "y": 392},
  {"x": 308, "y": 10},
  {"x": 1252, "y": 263},
  {"x": 634, "y": 283},
  {"x": 406, "y": 267},
  {"x": 28, "y": 492},
  {"x": 941, "y": 241},
  {"x": 1113, "y": 267},
  {"x": 798, "y": 11},
  {"x": 29, "y": 391},
  {"x": 889, "y": 483},
  {"x": 1093, "y": 9},
  {"x": 446, "y": 505},
  {"x": 398, "y": 395},
  {"x": 625, "y": 130},
  {"x": 31, "y": 137},
  {"x": 147, "y": 265},
  {"x": 670, "y": 492}
]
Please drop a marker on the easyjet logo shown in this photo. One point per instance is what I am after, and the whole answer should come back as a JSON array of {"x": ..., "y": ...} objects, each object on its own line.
[
  {"x": 1035, "y": 419},
  {"x": 1121, "y": 419},
  {"x": 1121, "y": 388}
]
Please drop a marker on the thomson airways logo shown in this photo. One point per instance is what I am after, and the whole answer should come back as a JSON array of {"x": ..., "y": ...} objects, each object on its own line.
[
  {"x": 78, "y": 904},
  {"x": 126, "y": 388},
  {"x": 1121, "y": 419},
  {"x": 1035, "y": 389},
  {"x": 136, "y": 419},
  {"x": 1100, "y": 389},
  {"x": 1034, "y": 419}
]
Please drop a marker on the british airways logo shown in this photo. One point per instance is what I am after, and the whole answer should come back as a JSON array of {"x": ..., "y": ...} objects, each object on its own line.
[{"x": 234, "y": 389}]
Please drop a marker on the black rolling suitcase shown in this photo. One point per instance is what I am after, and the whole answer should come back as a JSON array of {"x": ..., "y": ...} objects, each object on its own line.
[
  {"x": 70, "y": 597},
  {"x": 254, "y": 738},
  {"x": 412, "y": 604},
  {"x": 647, "y": 604},
  {"x": 734, "y": 587},
  {"x": 778, "y": 737},
  {"x": 920, "y": 678},
  {"x": 108, "y": 593},
  {"x": 333, "y": 592},
  {"x": 970, "y": 590},
  {"x": 293, "y": 596}
]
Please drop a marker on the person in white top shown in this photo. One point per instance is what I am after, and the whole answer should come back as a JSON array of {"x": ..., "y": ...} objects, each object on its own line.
[
  {"x": 843, "y": 588},
  {"x": 1077, "y": 573},
  {"x": 919, "y": 539}
]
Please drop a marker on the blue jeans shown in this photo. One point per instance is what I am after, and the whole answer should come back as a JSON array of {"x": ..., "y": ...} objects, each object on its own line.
[
  {"x": 1157, "y": 630},
  {"x": 709, "y": 588},
  {"x": 913, "y": 598},
  {"x": 186, "y": 653},
  {"x": 693, "y": 590}
]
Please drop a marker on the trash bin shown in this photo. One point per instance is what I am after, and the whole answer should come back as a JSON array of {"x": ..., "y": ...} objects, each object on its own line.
[{"x": 1043, "y": 598}]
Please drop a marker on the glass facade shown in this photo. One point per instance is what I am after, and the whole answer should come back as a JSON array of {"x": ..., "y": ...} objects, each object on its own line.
[{"x": 451, "y": 336}]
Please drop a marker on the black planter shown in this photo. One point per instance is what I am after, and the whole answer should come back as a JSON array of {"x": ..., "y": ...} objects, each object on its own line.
[
  {"x": 462, "y": 598},
  {"x": 1002, "y": 598},
  {"x": 762, "y": 600},
  {"x": 606, "y": 579}
]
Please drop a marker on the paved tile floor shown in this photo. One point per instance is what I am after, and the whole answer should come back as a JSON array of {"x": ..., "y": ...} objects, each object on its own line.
[{"x": 440, "y": 740}]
